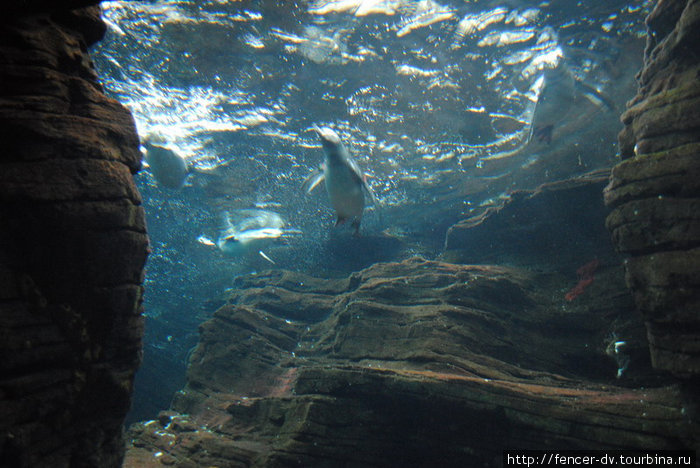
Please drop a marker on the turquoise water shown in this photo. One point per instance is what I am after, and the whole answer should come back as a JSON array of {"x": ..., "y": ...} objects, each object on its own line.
[{"x": 447, "y": 107}]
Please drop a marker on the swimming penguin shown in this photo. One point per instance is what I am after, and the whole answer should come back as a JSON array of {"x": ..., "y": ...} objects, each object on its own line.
[
  {"x": 345, "y": 183},
  {"x": 560, "y": 100},
  {"x": 248, "y": 232},
  {"x": 168, "y": 168}
]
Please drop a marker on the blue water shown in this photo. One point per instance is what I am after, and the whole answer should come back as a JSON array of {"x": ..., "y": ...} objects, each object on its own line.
[{"x": 437, "y": 101}]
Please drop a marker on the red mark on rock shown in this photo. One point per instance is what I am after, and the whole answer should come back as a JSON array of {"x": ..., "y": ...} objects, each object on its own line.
[
  {"x": 285, "y": 383},
  {"x": 585, "y": 278}
]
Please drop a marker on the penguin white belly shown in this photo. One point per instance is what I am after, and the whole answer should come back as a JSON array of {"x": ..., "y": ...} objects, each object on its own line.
[{"x": 344, "y": 192}]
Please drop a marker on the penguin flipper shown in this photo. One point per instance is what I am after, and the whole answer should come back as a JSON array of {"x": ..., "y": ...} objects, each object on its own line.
[
  {"x": 226, "y": 221},
  {"x": 361, "y": 179},
  {"x": 543, "y": 134},
  {"x": 356, "y": 225},
  {"x": 313, "y": 180},
  {"x": 596, "y": 97},
  {"x": 370, "y": 193},
  {"x": 264, "y": 255}
]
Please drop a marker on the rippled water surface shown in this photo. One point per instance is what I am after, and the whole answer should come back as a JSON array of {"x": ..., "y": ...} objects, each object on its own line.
[{"x": 447, "y": 106}]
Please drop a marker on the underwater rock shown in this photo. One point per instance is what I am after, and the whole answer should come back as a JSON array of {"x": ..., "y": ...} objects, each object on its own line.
[
  {"x": 37, "y": 7},
  {"x": 654, "y": 192},
  {"x": 73, "y": 245},
  {"x": 557, "y": 226},
  {"x": 413, "y": 363}
]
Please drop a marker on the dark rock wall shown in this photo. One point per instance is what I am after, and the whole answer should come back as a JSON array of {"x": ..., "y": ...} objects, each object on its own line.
[
  {"x": 72, "y": 245},
  {"x": 654, "y": 192}
]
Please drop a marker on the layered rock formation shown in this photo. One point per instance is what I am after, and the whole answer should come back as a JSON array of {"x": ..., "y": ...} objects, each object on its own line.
[
  {"x": 655, "y": 192},
  {"x": 416, "y": 363},
  {"x": 72, "y": 245},
  {"x": 557, "y": 226}
]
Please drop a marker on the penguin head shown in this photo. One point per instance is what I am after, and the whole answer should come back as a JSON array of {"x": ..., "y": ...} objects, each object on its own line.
[{"x": 330, "y": 141}]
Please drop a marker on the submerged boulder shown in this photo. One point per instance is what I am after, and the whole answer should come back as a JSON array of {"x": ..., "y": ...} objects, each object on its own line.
[
  {"x": 556, "y": 226},
  {"x": 414, "y": 363},
  {"x": 654, "y": 193}
]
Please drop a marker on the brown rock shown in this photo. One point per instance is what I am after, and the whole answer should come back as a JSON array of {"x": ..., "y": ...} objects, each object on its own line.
[
  {"x": 415, "y": 363},
  {"x": 558, "y": 225},
  {"x": 72, "y": 245},
  {"x": 649, "y": 225},
  {"x": 655, "y": 193}
]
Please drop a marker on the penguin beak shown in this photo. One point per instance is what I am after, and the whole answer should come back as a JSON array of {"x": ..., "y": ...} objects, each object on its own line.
[
  {"x": 327, "y": 135},
  {"x": 320, "y": 134}
]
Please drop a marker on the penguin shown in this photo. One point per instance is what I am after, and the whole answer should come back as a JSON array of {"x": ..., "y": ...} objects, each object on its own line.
[
  {"x": 345, "y": 184},
  {"x": 168, "y": 168},
  {"x": 247, "y": 232},
  {"x": 560, "y": 99}
]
